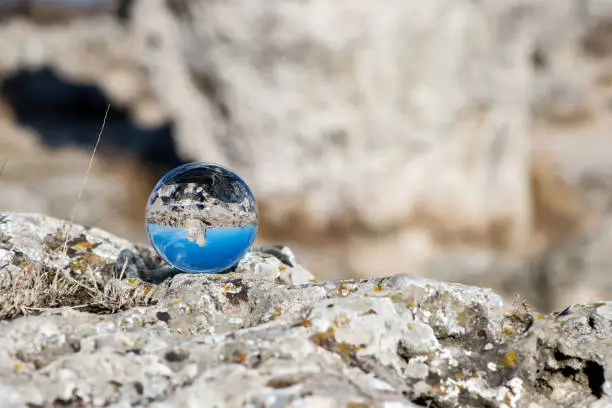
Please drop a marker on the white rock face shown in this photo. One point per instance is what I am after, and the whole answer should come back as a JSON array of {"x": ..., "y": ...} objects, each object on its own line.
[
  {"x": 359, "y": 107},
  {"x": 196, "y": 231}
]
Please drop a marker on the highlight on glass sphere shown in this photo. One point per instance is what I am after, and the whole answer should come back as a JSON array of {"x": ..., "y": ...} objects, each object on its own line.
[{"x": 201, "y": 218}]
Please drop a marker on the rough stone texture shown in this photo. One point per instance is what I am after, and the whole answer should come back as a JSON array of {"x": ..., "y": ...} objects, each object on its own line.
[
  {"x": 401, "y": 132},
  {"x": 265, "y": 336},
  {"x": 40, "y": 241}
]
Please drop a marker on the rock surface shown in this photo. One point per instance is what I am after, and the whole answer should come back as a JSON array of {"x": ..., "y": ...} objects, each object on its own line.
[{"x": 266, "y": 335}]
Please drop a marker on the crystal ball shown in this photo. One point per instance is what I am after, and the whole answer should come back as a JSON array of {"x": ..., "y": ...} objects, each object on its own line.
[{"x": 201, "y": 218}]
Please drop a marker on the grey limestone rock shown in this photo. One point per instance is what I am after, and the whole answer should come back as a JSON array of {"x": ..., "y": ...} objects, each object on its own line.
[{"x": 269, "y": 335}]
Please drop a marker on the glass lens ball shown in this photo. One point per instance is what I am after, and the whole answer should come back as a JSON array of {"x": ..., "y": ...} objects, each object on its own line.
[{"x": 201, "y": 218}]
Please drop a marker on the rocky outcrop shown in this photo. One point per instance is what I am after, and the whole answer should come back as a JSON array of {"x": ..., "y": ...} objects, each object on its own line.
[
  {"x": 375, "y": 140},
  {"x": 268, "y": 335}
]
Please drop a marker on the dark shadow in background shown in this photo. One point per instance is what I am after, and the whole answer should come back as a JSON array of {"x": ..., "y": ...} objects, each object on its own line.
[
  {"x": 69, "y": 114},
  {"x": 59, "y": 11}
]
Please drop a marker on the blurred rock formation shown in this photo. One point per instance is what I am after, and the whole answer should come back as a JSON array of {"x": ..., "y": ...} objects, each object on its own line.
[{"x": 406, "y": 136}]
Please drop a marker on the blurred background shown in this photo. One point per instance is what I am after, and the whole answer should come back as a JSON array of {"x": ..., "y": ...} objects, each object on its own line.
[{"x": 461, "y": 140}]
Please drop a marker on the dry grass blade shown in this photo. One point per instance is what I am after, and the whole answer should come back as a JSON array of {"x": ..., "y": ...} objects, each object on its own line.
[
  {"x": 3, "y": 165},
  {"x": 123, "y": 269},
  {"x": 84, "y": 183},
  {"x": 82, "y": 188}
]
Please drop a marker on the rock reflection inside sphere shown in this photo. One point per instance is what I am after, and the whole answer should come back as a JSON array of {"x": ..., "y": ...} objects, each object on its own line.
[{"x": 201, "y": 218}]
